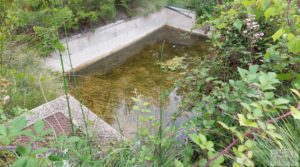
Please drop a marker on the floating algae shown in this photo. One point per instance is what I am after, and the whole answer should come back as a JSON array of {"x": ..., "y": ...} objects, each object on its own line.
[{"x": 109, "y": 95}]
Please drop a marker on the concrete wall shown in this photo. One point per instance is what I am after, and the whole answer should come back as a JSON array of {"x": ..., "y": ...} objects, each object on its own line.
[
  {"x": 89, "y": 48},
  {"x": 102, "y": 132}
]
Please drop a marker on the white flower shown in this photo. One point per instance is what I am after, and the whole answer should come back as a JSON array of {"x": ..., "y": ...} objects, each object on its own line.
[{"x": 6, "y": 99}]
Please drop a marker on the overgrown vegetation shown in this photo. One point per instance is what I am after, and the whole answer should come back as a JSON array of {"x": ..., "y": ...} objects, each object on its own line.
[{"x": 243, "y": 95}]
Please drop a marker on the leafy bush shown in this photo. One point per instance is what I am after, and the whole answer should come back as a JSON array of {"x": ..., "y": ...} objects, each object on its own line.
[
  {"x": 29, "y": 83},
  {"x": 260, "y": 36}
]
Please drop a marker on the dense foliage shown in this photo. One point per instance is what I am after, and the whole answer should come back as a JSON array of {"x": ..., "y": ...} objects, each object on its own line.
[
  {"x": 247, "y": 81},
  {"x": 243, "y": 95}
]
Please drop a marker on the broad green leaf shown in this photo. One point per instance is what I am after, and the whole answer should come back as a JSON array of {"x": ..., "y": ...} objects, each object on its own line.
[
  {"x": 269, "y": 12},
  {"x": 232, "y": 12},
  {"x": 262, "y": 125},
  {"x": 268, "y": 95},
  {"x": 40, "y": 151},
  {"x": 221, "y": 25},
  {"x": 278, "y": 34},
  {"x": 257, "y": 113},
  {"x": 178, "y": 163},
  {"x": 202, "y": 138},
  {"x": 73, "y": 139},
  {"x": 238, "y": 24},
  {"x": 249, "y": 143},
  {"x": 210, "y": 146},
  {"x": 235, "y": 164},
  {"x": 296, "y": 83},
  {"x": 248, "y": 3},
  {"x": 246, "y": 106},
  {"x": 32, "y": 162},
  {"x": 217, "y": 162},
  {"x": 281, "y": 101},
  {"x": 271, "y": 127},
  {"x": 295, "y": 112},
  {"x": 20, "y": 162},
  {"x": 3, "y": 130},
  {"x": 253, "y": 69},
  {"x": 21, "y": 150},
  {"x": 4, "y": 140},
  {"x": 244, "y": 122},
  {"x": 285, "y": 76},
  {"x": 265, "y": 4},
  {"x": 38, "y": 126},
  {"x": 294, "y": 45},
  {"x": 242, "y": 72},
  {"x": 19, "y": 123},
  {"x": 290, "y": 36},
  {"x": 267, "y": 80},
  {"x": 202, "y": 162}
]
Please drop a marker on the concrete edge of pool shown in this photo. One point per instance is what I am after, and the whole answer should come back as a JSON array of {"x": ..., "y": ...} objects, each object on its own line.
[
  {"x": 55, "y": 111},
  {"x": 88, "y": 48},
  {"x": 91, "y": 47}
]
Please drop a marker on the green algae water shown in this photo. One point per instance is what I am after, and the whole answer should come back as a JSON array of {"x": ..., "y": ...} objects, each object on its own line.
[{"x": 111, "y": 95}]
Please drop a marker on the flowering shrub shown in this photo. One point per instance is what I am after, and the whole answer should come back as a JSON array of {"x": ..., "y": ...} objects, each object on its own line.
[
  {"x": 4, "y": 97},
  {"x": 262, "y": 37},
  {"x": 4, "y": 91}
]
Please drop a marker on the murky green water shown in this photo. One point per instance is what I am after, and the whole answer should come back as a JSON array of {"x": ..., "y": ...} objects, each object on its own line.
[{"x": 110, "y": 95}]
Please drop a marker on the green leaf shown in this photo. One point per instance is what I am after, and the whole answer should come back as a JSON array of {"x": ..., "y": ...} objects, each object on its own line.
[
  {"x": 40, "y": 151},
  {"x": 235, "y": 164},
  {"x": 295, "y": 112},
  {"x": 281, "y": 101},
  {"x": 19, "y": 123},
  {"x": 246, "y": 106},
  {"x": 238, "y": 24},
  {"x": 294, "y": 45},
  {"x": 21, "y": 150},
  {"x": 265, "y": 4},
  {"x": 20, "y": 162},
  {"x": 244, "y": 122},
  {"x": 54, "y": 158},
  {"x": 217, "y": 162},
  {"x": 285, "y": 76},
  {"x": 296, "y": 83},
  {"x": 209, "y": 145},
  {"x": 202, "y": 162},
  {"x": 242, "y": 72},
  {"x": 202, "y": 138},
  {"x": 290, "y": 36},
  {"x": 178, "y": 163},
  {"x": 73, "y": 139},
  {"x": 3, "y": 130},
  {"x": 278, "y": 34},
  {"x": 269, "y": 12},
  {"x": 31, "y": 162},
  {"x": 38, "y": 126},
  {"x": 223, "y": 125},
  {"x": 296, "y": 92},
  {"x": 267, "y": 80},
  {"x": 4, "y": 140}
]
